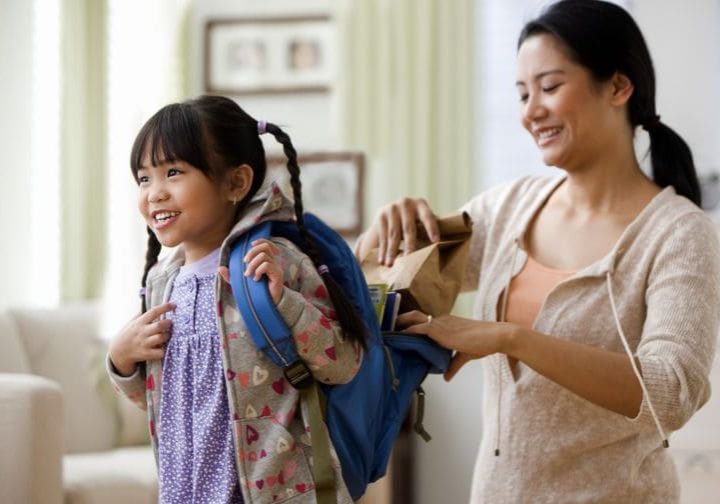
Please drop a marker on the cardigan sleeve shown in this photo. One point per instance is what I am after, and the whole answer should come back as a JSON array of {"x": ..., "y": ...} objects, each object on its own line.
[
  {"x": 678, "y": 342},
  {"x": 132, "y": 387},
  {"x": 306, "y": 308}
]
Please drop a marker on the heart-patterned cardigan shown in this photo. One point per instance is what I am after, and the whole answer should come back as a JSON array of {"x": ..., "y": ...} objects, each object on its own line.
[{"x": 273, "y": 448}]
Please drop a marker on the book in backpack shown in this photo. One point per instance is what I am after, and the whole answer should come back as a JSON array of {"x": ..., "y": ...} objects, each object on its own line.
[{"x": 363, "y": 416}]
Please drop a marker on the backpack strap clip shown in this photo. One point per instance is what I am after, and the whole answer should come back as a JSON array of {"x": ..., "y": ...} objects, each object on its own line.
[{"x": 298, "y": 374}]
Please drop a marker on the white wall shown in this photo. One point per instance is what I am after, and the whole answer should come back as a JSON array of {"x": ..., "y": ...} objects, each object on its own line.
[{"x": 307, "y": 117}]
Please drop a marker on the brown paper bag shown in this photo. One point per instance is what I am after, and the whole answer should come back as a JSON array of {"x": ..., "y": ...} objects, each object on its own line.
[{"x": 429, "y": 279}]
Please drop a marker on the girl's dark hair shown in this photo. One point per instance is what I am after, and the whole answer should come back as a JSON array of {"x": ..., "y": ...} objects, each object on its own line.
[
  {"x": 213, "y": 134},
  {"x": 604, "y": 38}
]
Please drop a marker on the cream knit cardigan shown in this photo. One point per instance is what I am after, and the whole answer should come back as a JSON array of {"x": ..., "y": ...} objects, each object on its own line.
[{"x": 664, "y": 276}]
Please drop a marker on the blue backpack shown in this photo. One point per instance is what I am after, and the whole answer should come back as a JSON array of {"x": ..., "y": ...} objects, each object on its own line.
[{"x": 364, "y": 416}]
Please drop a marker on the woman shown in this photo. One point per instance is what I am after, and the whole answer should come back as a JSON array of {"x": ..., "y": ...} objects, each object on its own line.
[{"x": 598, "y": 293}]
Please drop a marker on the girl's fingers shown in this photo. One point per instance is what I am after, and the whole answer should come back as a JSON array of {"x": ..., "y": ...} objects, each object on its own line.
[
  {"x": 259, "y": 247},
  {"x": 156, "y": 312},
  {"x": 269, "y": 269},
  {"x": 160, "y": 326},
  {"x": 157, "y": 340},
  {"x": 224, "y": 273},
  {"x": 254, "y": 263}
]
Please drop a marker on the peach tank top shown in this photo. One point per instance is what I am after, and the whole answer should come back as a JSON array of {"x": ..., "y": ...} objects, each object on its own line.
[{"x": 528, "y": 291}]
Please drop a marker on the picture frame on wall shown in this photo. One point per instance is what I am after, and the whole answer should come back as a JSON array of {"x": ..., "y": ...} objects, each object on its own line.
[
  {"x": 268, "y": 55},
  {"x": 332, "y": 187}
]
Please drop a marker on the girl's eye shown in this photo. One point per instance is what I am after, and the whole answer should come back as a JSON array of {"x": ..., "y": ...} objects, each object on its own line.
[
  {"x": 523, "y": 98},
  {"x": 173, "y": 171},
  {"x": 143, "y": 179}
]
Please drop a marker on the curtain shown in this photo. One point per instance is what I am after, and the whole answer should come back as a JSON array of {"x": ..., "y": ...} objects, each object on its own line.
[
  {"x": 83, "y": 143},
  {"x": 405, "y": 96}
]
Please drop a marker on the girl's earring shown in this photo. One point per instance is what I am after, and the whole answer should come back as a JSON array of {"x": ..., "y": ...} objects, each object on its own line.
[{"x": 234, "y": 200}]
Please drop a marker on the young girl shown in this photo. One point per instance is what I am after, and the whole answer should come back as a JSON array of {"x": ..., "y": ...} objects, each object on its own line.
[{"x": 225, "y": 424}]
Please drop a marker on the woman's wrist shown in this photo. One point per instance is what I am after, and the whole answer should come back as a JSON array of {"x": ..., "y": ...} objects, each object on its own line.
[{"x": 510, "y": 338}]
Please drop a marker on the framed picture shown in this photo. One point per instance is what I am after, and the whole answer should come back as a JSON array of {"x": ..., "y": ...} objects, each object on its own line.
[
  {"x": 268, "y": 55},
  {"x": 332, "y": 188}
]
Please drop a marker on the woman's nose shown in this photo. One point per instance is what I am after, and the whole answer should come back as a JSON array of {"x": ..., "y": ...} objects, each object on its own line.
[{"x": 533, "y": 108}]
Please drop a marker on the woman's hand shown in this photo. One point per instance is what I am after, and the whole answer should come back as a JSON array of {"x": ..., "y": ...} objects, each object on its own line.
[
  {"x": 398, "y": 222},
  {"x": 261, "y": 260},
  {"x": 471, "y": 339},
  {"x": 142, "y": 339}
]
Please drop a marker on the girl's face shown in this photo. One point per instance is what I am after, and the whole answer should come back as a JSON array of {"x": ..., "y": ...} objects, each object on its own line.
[
  {"x": 567, "y": 113},
  {"x": 183, "y": 206}
]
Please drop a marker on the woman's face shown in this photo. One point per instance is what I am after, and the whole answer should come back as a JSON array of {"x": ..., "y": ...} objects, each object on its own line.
[{"x": 567, "y": 113}]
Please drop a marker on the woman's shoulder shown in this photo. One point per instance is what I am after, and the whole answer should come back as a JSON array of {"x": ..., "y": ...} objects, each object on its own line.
[{"x": 677, "y": 215}]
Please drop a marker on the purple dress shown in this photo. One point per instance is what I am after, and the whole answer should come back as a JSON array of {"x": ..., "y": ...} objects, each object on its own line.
[{"x": 195, "y": 446}]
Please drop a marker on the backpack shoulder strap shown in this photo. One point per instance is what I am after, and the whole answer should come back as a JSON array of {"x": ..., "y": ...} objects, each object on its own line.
[
  {"x": 262, "y": 318},
  {"x": 274, "y": 338}
]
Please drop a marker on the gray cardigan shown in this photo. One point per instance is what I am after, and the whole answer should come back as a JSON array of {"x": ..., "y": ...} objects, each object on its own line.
[{"x": 663, "y": 274}]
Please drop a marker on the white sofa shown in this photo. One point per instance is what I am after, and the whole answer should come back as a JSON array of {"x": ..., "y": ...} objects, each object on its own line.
[{"x": 65, "y": 437}]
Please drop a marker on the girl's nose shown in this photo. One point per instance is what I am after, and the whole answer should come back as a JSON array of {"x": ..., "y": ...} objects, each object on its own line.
[{"x": 156, "y": 195}]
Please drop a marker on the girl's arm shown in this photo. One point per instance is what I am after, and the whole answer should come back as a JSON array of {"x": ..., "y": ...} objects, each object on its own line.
[{"x": 306, "y": 308}]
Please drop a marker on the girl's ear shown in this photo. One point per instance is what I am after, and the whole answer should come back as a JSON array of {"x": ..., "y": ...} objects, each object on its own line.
[
  {"x": 622, "y": 89},
  {"x": 238, "y": 182}
]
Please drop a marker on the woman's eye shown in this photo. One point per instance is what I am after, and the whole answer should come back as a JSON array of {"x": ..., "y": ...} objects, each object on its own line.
[{"x": 551, "y": 88}]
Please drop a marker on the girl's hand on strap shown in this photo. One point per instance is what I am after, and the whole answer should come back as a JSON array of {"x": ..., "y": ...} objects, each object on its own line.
[
  {"x": 261, "y": 260},
  {"x": 395, "y": 223},
  {"x": 142, "y": 339}
]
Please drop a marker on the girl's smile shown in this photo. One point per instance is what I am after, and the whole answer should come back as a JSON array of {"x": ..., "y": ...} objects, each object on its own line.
[{"x": 183, "y": 206}]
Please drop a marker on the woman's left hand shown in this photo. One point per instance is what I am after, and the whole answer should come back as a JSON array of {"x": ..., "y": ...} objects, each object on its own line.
[
  {"x": 261, "y": 260},
  {"x": 471, "y": 339}
]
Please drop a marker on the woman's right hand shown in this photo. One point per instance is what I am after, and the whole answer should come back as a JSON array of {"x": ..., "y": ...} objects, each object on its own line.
[
  {"x": 395, "y": 223},
  {"x": 142, "y": 339}
]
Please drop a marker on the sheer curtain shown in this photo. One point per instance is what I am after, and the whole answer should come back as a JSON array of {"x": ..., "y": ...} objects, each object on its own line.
[
  {"x": 404, "y": 91},
  {"x": 147, "y": 68}
]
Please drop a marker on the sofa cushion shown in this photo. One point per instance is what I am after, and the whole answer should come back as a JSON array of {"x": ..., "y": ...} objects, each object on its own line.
[
  {"x": 113, "y": 477},
  {"x": 12, "y": 352},
  {"x": 62, "y": 344}
]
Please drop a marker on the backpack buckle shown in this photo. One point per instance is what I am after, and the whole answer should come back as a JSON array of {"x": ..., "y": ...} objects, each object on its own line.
[{"x": 298, "y": 374}]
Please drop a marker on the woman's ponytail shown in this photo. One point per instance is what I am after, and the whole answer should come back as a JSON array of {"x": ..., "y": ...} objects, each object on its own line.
[
  {"x": 672, "y": 161},
  {"x": 348, "y": 317}
]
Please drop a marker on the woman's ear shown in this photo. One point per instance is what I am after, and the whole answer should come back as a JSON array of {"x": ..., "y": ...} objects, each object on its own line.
[
  {"x": 238, "y": 182},
  {"x": 622, "y": 89}
]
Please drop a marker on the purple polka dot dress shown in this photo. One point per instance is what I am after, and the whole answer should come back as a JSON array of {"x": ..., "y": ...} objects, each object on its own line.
[{"x": 195, "y": 445}]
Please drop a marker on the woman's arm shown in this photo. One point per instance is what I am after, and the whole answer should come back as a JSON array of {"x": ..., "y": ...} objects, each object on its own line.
[{"x": 600, "y": 376}]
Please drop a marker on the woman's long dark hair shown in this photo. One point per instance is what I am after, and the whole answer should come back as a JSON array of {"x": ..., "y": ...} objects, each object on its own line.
[
  {"x": 605, "y": 39},
  {"x": 213, "y": 134}
]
